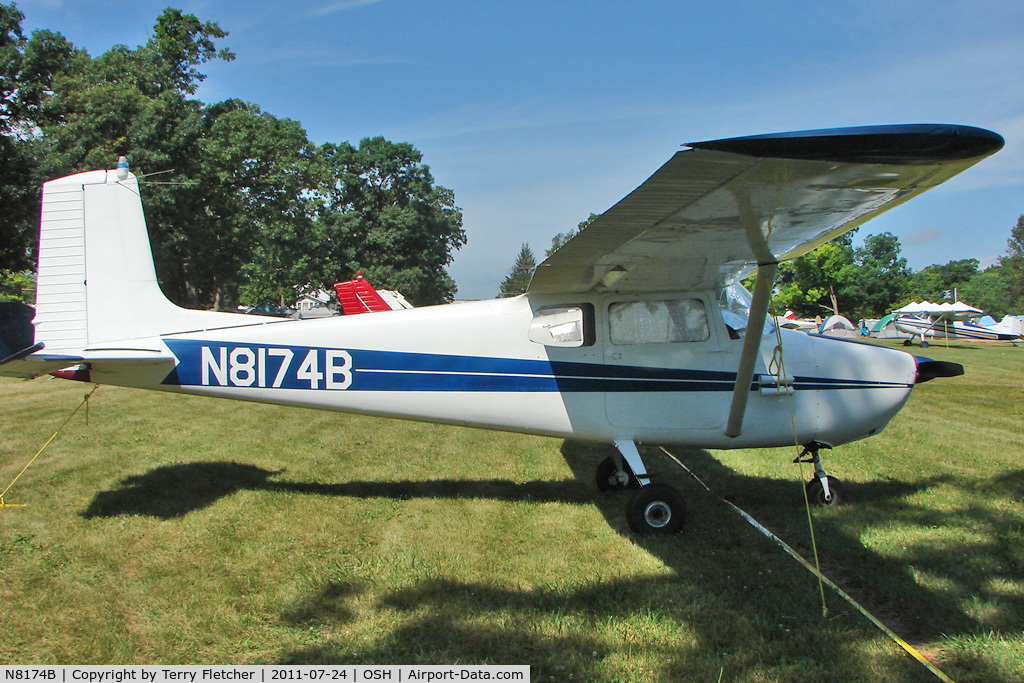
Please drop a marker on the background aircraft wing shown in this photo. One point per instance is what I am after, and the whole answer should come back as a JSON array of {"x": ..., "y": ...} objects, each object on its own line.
[{"x": 716, "y": 209}]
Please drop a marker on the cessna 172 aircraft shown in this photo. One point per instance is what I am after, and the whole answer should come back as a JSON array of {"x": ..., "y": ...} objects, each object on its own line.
[
  {"x": 952, "y": 321},
  {"x": 636, "y": 331}
]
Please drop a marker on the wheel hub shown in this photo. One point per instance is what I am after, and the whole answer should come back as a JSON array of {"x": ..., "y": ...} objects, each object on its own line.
[{"x": 658, "y": 514}]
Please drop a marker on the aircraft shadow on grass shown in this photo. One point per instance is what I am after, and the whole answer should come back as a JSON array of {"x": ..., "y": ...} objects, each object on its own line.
[
  {"x": 717, "y": 559},
  {"x": 172, "y": 491}
]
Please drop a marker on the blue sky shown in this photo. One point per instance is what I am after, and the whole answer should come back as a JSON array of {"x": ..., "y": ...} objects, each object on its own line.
[{"x": 538, "y": 113}]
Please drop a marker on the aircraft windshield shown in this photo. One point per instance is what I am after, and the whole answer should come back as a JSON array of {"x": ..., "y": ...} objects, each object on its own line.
[{"x": 734, "y": 302}]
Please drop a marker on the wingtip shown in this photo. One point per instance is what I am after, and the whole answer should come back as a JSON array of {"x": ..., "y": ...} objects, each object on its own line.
[{"x": 926, "y": 143}]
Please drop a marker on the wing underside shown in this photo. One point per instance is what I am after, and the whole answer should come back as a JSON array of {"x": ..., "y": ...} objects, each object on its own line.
[{"x": 715, "y": 210}]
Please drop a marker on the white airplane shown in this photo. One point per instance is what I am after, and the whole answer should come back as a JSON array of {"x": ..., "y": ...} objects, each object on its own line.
[
  {"x": 636, "y": 331},
  {"x": 952, "y": 321},
  {"x": 1010, "y": 326}
]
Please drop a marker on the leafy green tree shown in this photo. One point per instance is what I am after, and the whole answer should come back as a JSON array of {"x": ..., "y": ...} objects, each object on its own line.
[
  {"x": 881, "y": 279},
  {"x": 383, "y": 214},
  {"x": 135, "y": 102},
  {"x": 991, "y": 291},
  {"x": 239, "y": 203},
  {"x": 27, "y": 68},
  {"x": 18, "y": 286},
  {"x": 262, "y": 167},
  {"x": 816, "y": 283},
  {"x": 1013, "y": 263},
  {"x": 561, "y": 238},
  {"x": 932, "y": 282},
  {"x": 518, "y": 279},
  {"x": 249, "y": 237}
]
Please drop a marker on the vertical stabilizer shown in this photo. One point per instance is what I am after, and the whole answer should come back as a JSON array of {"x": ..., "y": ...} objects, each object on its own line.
[
  {"x": 359, "y": 296},
  {"x": 97, "y": 284}
]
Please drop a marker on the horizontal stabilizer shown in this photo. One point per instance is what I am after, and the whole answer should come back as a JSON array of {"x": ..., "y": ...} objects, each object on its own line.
[
  {"x": 21, "y": 354},
  {"x": 34, "y": 362}
]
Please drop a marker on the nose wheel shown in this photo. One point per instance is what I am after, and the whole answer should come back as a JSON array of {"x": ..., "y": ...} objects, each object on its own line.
[
  {"x": 822, "y": 490},
  {"x": 816, "y": 492}
]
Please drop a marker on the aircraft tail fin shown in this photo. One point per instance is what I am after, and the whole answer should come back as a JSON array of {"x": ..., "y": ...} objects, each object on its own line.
[
  {"x": 359, "y": 296},
  {"x": 96, "y": 281}
]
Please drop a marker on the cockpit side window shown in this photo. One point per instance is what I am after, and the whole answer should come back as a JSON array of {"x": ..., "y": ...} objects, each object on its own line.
[
  {"x": 734, "y": 303},
  {"x": 565, "y": 326},
  {"x": 658, "y": 322}
]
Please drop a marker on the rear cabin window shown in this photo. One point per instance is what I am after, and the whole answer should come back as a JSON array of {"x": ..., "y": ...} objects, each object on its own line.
[
  {"x": 563, "y": 326},
  {"x": 658, "y": 322}
]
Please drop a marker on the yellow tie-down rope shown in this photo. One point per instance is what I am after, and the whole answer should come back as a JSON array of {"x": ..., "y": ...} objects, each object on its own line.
[
  {"x": 777, "y": 368},
  {"x": 85, "y": 402},
  {"x": 910, "y": 649}
]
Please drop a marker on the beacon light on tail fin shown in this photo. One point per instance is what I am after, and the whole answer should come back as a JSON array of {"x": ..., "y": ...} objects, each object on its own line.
[{"x": 635, "y": 331}]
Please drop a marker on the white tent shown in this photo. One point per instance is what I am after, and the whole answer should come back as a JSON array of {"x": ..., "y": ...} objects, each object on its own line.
[
  {"x": 838, "y": 326},
  {"x": 954, "y": 311}
]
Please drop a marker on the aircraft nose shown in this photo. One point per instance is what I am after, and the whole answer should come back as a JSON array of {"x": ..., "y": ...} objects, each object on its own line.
[{"x": 928, "y": 369}]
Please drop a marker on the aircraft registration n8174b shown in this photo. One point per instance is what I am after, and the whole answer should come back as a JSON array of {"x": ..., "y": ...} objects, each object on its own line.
[{"x": 636, "y": 331}]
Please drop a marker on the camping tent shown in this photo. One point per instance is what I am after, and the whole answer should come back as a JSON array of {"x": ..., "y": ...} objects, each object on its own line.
[
  {"x": 838, "y": 326},
  {"x": 886, "y": 329},
  {"x": 954, "y": 311}
]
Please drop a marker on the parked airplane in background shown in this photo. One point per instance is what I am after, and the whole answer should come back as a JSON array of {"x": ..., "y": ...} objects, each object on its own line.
[
  {"x": 789, "y": 321},
  {"x": 1009, "y": 325},
  {"x": 952, "y": 321},
  {"x": 636, "y": 331}
]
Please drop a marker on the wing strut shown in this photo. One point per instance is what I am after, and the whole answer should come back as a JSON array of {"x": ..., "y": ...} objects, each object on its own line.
[{"x": 751, "y": 346}]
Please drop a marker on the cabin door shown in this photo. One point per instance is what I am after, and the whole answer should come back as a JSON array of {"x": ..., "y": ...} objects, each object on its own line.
[{"x": 670, "y": 368}]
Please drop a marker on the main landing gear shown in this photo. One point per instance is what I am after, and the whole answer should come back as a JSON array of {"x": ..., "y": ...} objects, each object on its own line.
[
  {"x": 822, "y": 490},
  {"x": 655, "y": 508}
]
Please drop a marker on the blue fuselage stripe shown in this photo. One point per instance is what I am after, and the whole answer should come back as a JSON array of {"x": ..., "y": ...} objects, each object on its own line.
[{"x": 219, "y": 364}]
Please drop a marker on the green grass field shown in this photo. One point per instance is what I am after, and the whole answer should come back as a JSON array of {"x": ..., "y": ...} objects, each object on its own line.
[{"x": 173, "y": 529}]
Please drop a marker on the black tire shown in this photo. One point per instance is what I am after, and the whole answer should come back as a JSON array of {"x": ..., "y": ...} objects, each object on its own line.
[
  {"x": 608, "y": 478},
  {"x": 924, "y": 345},
  {"x": 816, "y": 492},
  {"x": 907, "y": 342},
  {"x": 656, "y": 509}
]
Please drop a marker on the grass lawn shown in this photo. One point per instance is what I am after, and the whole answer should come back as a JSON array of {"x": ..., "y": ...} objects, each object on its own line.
[{"x": 175, "y": 529}]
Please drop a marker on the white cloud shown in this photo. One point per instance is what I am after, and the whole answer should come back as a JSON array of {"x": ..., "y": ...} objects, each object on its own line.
[
  {"x": 923, "y": 236},
  {"x": 986, "y": 262},
  {"x": 344, "y": 5}
]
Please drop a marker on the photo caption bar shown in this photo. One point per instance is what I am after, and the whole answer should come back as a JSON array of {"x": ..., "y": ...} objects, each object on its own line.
[{"x": 269, "y": 673}]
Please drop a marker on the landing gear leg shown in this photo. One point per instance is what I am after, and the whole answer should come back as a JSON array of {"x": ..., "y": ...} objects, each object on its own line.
[
  {"x": 655, "y": 508},
  {"x": 822, "y": 490},
  {"x": 629, "y": 452}
]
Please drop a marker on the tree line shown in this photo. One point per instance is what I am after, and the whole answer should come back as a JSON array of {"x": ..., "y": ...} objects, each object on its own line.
[
  {"x": 868, "y": 281},
  {"x": 872, "y": 280},
  {"x": 241, "y": 205}
]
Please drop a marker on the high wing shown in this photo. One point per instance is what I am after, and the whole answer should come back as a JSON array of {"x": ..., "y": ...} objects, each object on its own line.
[{"x": 715, "y": 210}]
